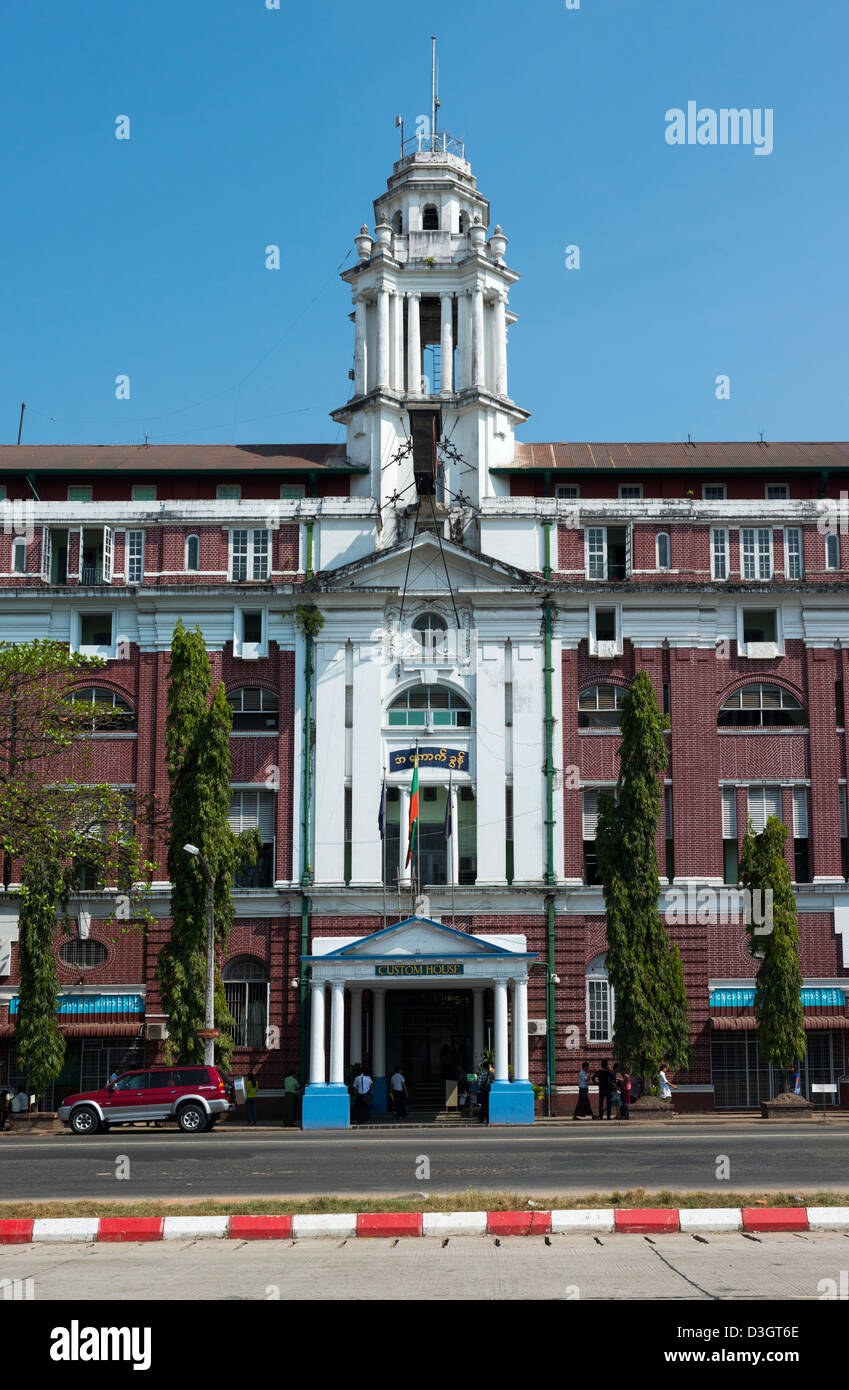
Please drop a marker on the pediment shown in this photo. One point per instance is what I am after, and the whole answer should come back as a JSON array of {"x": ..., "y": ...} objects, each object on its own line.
[
  {"x": 422, "y": 569},
  {"x": 417, "y": 936}
]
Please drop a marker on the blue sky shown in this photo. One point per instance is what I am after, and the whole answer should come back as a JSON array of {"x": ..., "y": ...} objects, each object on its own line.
[{"x": 252, "y": 126}]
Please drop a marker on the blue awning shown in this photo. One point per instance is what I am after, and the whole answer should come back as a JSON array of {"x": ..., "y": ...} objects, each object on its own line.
[
  {"x": 81, "y": 1005},
  {"x": 812, "y": 998}
]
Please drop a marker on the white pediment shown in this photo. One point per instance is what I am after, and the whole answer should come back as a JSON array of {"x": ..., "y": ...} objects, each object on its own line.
[
  {"x": 427, "y": 570},
  {"x": 418, "y": 936}
]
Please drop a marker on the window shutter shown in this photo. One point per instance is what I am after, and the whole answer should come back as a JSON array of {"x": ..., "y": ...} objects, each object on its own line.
[
  {"x": 629, "y": 533},
  {"x": 265, "y": 816},
  {"x": 252, "y": 811},
  {"x": 234, "y": 813},
  {"x": 772, "y": 803},
  {"x": 756, "y": 809},
  {"x": 590, "y": 812},
  {"x": 667, "y": 810},
  {"x": 800, "y": 813},
  {"x": 107, "y": 555},
  {"x": 729, "y": 813},
  {"x": 843, "y": 816},
  {"x": 46, "y": 553}
]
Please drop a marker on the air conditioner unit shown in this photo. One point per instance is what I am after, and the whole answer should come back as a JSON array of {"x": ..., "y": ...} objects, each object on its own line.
[
  {"x": 537, "y": 1027},
  {"x": 157, "y": 1032}
]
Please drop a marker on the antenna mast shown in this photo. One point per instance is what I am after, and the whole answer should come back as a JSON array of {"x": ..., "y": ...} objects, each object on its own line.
[{"x": 433, "y": 102}]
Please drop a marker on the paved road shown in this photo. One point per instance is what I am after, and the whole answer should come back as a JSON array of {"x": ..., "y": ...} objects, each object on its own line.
[
  {"x": 277, "y": 1164},
  {"x": 774, "y": 1267}
]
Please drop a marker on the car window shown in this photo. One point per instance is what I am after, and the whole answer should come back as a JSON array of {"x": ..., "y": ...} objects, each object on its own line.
[
  {"x": 161, "y": 1080},
  {"x": 136, "y": 1081},
  {"x": 192, "y": 1076}
]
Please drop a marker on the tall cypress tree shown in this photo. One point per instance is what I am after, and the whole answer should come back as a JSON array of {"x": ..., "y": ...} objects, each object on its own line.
[
  {"x": 778, "y": 984},
  {"x": 40, "y": 1045},
  {"x": 644, "y": 969},
  {"x": 197, "y": 742}
]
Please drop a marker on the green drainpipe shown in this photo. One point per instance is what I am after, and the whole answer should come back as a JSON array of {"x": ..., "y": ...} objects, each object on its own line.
[
  {"x": 307, "y": 818},
  {"x": 548, "y": 670}
]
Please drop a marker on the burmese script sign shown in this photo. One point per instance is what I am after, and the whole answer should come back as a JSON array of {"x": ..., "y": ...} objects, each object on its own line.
[
  {"x": 456, "y": 758},
  {"x": 418, "y": 970}
]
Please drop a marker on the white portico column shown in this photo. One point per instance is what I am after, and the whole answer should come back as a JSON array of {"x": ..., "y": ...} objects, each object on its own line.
[
  {"x": 464, "y": 340},
  {"x": 501, "y": 1051},
  {"x": 382, "y": 337},
  {"x": 355, "y": 1054},
  {"x": 397, "y": 341},
  {"x": 359, "y": 346},
  {"x": 378, "y": 1037},
  {"x": 414, "y": 346},
  {"x": 501, "y": 345},
  {"x": 337, "y": 1032},
  {"x": 477, "y": 1027},
  {"x": 455, "y": 845},
  {"x": 446, "y": 352},
  {"x": 520, "y": 1030},
  {"x": 478, "y": 378},
  {"x": 318, "y": 1072}
]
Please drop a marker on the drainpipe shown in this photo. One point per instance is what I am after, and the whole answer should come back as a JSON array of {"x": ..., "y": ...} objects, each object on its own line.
[{"x": 548, "y": 670}]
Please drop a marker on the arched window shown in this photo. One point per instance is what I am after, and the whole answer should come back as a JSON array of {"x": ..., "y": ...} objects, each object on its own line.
[
  {"x": 430, "y": 706},
  {"x": 397, "y": 222},
  {"x": 601, "y": 1005},
  {"x": 192, "y": 553},
  {"x": 430, "y": 218},
  {"x": 109, "y": 712},
  {"x": 761, "y": 707},
  {"x": 254, "y": 711},
  {"x": 832, "y": 552},
  {"x": 464, "y": 223},
  {"x": 663, "y": 557},
  {"x": 429, "y": 630},
  {"x": 246, "y": 991},
  {"x": 600, "y": 707},
  {"x": 83, "y": 955}
]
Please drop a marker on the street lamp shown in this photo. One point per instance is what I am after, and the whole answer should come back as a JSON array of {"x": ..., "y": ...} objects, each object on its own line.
[
  {"x": 209, "y": 1033},
  {"x": 552, "y": 978}
]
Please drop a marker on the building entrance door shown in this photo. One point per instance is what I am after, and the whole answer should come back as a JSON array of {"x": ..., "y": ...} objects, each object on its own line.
[{"x": 430, "y": 1033}]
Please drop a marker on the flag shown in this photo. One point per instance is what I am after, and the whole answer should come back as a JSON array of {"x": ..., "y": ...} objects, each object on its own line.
[
  {"x": 381, "y": 813},
  {"x": 447, "y": 829},
  {"x": 414, "y": 809}
]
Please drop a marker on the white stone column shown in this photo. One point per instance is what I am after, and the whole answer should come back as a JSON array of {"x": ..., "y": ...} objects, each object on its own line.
[
  {"x": 366, "y": 848},
  {"x": 359, "y": 346},
  {"x": 329, "y": 859},
  {"x": 500, "y": 313},
  {"x": 501, "y": 1032},
  {"x": 478, "y": 364},
  {"x": 464, "y": 340},
  {"x": 355, "y": 1052},
  {"x": 397, "y": 341},
  {"x": 492, "y": 769},
  {"x": 382, "y": 337},
  {"x": 455, "y": 842},
  {"x": 477, "y": 1026},
  {"x": 318, "y": 1071},
  {"x": 378, "y": 1037},
  {"x": 520, "y": 1029},
  {"x": 528, "y": 759},
  {"x": 446, "y": 352},
  {"x": 337, "y": 1032},
  {"x": 414, "y": 346}
]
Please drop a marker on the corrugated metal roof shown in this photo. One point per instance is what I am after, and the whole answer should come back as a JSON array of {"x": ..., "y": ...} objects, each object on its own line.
[
  {"x": 660, "y": 457},
  {"x": 171, "y": 458},
  {"x": 747, "y": 1023}
]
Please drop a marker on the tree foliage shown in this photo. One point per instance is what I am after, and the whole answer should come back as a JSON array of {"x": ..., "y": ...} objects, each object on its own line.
[
  {"x": 197, "y": 742},
  {"x": 778, "y": 984},
  {"x": 645, "y": 972},
  {"x": 40, "y": 1045}
]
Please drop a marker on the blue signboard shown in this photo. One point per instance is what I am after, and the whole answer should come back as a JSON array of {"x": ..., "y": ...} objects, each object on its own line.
[
  {"x": 452, "y": 759},
  {"x": 79, "y": 1005},
  {"x": 745, "y": 998}
]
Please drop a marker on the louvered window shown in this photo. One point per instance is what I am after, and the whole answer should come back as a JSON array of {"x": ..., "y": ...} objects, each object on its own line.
[
  {"x": 729, "y": 813},
  {"x": 719, "y": 552},
  {"x": 800, "y": 813},
  {"x": 763, "y": 803}
]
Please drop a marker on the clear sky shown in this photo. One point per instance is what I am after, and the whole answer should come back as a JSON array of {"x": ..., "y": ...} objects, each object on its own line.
[{"x": 251, "y": 126}]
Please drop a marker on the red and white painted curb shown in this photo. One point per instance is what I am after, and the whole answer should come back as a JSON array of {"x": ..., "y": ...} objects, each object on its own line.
[{"x": 606, "y": 1221}]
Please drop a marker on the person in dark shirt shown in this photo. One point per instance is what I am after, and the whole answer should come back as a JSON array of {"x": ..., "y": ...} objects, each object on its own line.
[{"x": 605, "y": 1080}]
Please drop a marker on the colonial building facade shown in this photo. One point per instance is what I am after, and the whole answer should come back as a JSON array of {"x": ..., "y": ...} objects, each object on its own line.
[{"x": 482, "y": 605}]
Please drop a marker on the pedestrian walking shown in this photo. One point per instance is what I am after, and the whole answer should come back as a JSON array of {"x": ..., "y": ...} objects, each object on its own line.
[
  {"x": 626, "y": 1095},
  {"x": 20, "y": 1104},
  {"x": 5, "y": 1108},
  {"x": 583, "y": 1107},
  {"x": 484, "y": 1084},
  {"x": 398, "y": 1087},
  {"x": 666, "y": 1086},
  {"x": 250, "y": 1098},
  {"x": 290, "y": 1100},
  {"x": 363, "y": 1087},
  {"x": 606, "y": 1082}
]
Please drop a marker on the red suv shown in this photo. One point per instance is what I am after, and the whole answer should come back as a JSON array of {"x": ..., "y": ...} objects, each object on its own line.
[{"x": 193, "y": 1096}]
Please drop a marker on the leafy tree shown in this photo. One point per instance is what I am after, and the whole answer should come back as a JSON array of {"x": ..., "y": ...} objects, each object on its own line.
[
  {"x": 778, "y": 983},
  {"x": 197, "y": 742},
  {"x": 644, "y": 969},
  {"x": 40, "y": 1045}
]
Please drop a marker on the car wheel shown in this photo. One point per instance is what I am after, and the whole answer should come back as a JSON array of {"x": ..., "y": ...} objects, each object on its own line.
[
  {"x": 85, "y": 1120},
  {"x": 192, "y": 1119}
]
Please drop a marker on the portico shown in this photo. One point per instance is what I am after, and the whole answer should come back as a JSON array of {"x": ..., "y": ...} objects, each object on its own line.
[{"x": 427, "y": 956}]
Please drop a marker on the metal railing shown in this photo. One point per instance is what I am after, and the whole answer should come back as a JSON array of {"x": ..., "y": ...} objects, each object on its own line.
[{"x": 438, "y": 143}]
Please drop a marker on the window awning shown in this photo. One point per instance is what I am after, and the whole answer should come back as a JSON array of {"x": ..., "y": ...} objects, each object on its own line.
[
  {"x": 812, "y": 998},
  {"x": 104, "y": 1006}
]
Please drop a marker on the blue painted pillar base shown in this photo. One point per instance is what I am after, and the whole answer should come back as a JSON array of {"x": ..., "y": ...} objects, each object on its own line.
[
  {"x": 511, "y": 1103},
  {"x": 379, "y": 1099},
  {"x": 326, "y": 1107}
]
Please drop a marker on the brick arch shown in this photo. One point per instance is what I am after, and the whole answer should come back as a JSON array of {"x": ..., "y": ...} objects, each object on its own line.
[
  {"x": 107, "y": 683},
  {"x": 740, "y": 683}
]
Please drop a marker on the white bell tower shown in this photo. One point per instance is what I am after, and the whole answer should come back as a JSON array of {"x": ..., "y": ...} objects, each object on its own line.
[{"x": 430, "y": 411}]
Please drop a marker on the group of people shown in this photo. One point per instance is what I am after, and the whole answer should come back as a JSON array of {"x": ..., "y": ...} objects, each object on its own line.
[
  {"x": 363, "y": 1089},
  {"x": 616, "y": 1090},
  {"x": 12, "y": 1103}
]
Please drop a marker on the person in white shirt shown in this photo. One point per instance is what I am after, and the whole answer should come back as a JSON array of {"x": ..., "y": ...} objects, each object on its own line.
[
  {"x": 666, "y": 1086},
  {"x": 399, "y": 1093},
  {"x": 21, "y": 1101},
  {"x": 363, "y": 1086}
]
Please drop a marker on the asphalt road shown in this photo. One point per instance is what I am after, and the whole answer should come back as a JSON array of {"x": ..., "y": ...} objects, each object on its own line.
[{"x": 272, "y": 1163}]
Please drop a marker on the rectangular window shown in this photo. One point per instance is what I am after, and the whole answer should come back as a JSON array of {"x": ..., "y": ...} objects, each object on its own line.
[
  {"x": 567, "y": 492},
  {"x": 292, "y": 492},
  {"x": 3, "y": 493},
  {"x": 630, "y": 492},
  {"x": 763, "y": 803},
  {"x": 590, "y": 818},
  {"x": 254, "y": 810},
  {"x": 19, "y": 556},
  {"x": 756, "y": 552},
  {"x": 596, "y": 553},
  {"x": 713, "y": 492},
  {"x": 135, "y": 557},
  {"x": 777, "y": 492},
  {"x": 838, "y": 704},
  {"x": 844, "y": 833},
  {"x": 598, "y": 1011},
  {"x": 229, "y": 492},
  {"x": 605, "y": 624},
  {"x": 78, "y": 493},
  {"x": 252, "y": 627},
  {"x": 666, "y": 698},
  {"x": 801, "y": 872},
  {"x": 95, "y": 630},
  {"x": 729, "y": 834},
  {"x": 249, "y": 555},
  {"x": 719, "y": 553},
  {"x": 668, "y": 832},
  {"x": 793, "y": 552},
  {"x": 144, "y": 492},
  {"x": 759, "y": 625}
]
